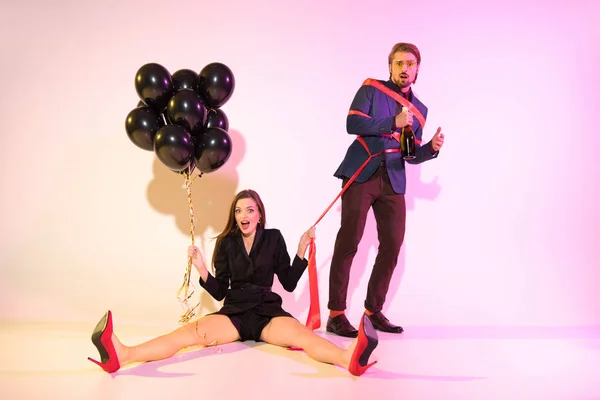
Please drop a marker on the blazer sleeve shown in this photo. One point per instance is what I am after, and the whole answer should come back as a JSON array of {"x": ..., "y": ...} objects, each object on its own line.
[
  {"x": 217, "y": 286},
  {"x": 287, "y": 274},
  {"x": 359, "y": 120}
]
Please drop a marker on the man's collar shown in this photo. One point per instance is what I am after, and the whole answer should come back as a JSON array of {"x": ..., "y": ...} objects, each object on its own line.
[{"x": 397, "y": 89}]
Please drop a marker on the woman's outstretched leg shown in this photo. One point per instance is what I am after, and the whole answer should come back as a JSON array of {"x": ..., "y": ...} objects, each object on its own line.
[
  {"x": 286, "y": 332},
  {"x": 206, "y": 331}
]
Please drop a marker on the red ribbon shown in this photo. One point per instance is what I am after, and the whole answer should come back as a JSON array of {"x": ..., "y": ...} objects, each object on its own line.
[{"x": 314, "y": 312}]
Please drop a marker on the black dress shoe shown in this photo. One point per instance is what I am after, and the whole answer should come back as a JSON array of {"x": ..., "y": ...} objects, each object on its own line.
[
  {"x": 381, "y": 323},
  {"x": 341, "y": 326}
]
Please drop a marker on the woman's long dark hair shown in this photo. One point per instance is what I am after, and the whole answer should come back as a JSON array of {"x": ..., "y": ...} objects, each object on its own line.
[{"x": 231, "y": 226}]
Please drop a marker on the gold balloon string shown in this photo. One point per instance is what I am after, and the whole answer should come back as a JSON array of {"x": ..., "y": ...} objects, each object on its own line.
[
  {"x": 187, "y": 295},
  {"x": 214, "y": 343}
]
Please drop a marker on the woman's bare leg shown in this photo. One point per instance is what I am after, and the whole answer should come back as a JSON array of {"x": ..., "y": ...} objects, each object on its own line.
[
  {"x": 286, "y": 332},
  {"x": 207, "y": 331}
]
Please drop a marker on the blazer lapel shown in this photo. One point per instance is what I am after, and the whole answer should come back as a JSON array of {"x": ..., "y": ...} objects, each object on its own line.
[
  {"x": 419, "y": 106},
  {"x": 257, "y": 238},
  {"x": 255, "y": 243},
  {"x": 241, "y": 247},
  {"x": 391, "y": 105}
]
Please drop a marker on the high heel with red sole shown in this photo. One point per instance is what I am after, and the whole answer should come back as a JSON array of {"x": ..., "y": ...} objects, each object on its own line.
[
  {"x": 367, "y": 341},
  {"x": 102, "y": 339}
]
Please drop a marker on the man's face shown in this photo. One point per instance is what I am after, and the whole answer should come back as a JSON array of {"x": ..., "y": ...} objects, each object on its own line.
[{"x": 404, "y": 69}]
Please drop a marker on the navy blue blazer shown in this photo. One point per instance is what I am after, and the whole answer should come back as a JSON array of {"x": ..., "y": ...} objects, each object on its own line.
[{"x": 382, "y": 110}]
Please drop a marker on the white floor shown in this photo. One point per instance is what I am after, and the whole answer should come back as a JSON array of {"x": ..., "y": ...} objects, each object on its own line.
[{"x": 44, "y": 361}]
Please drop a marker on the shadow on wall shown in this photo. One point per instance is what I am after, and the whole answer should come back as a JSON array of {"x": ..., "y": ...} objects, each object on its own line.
[
  {"x": 212, "y": 194},
  {"x": 360, "y": 274}
]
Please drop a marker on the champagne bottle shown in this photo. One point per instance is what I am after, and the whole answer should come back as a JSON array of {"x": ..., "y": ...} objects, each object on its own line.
[{"x": 407, "y": 142}]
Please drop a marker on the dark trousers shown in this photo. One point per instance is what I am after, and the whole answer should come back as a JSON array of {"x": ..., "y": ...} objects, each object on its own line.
[{"x": 389, "y": 209}]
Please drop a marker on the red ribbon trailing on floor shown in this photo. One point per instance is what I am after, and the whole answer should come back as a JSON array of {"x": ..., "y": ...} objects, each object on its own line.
[{"x": 313, "y": 320}]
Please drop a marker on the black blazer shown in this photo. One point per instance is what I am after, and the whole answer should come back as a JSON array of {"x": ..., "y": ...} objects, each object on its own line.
[{"x": 245, "y": 280}]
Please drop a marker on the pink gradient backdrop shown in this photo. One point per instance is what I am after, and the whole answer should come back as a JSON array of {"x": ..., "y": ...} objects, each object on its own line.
[{"x": 501, "y": 227}]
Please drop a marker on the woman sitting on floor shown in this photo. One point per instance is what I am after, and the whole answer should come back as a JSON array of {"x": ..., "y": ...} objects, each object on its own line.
[{"x": 246, "y": 258}]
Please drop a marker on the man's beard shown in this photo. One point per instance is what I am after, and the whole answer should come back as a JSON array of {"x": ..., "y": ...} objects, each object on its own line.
[{"x": 403, "y": 83}]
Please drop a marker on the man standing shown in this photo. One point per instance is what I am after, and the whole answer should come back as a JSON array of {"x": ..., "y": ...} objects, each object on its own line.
[{"x": 375, "y": 116}]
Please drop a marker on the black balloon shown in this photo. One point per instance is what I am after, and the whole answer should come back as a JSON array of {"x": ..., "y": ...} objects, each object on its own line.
[
  {"x": 216, "y": 84},
  {"x": 212, "y": 150},
  {"x": 217, "y": 119},
  {"x": 173, "y": 147},
  {"x": 154, "y": 85},
  {"x": 186, "y": 109},
  {"x": 141, "y": 126},
  {"x": 185, "y": 79}
]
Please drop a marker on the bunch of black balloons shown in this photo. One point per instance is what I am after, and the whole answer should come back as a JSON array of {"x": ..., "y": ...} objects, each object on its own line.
[{"x": 179, "y": 116}]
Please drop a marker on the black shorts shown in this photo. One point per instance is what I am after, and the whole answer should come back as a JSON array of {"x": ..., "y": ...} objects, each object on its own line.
[{"x": 249, "y": 325}]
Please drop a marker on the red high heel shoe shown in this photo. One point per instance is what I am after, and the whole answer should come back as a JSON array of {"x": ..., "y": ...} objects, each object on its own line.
[
  {"x": 367, "y": 341},
  {"x": 102, "y": 339}
]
